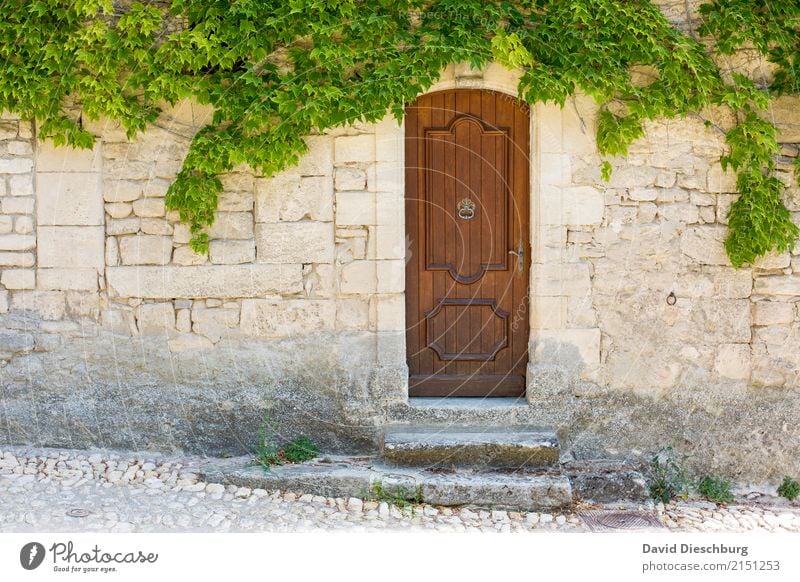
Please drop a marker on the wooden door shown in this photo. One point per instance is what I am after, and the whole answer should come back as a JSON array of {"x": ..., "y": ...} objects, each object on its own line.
[{"x": 467, "y": 182}]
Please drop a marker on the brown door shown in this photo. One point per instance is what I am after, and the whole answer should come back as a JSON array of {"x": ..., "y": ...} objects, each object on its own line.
[{"x": 467, "y": 224}]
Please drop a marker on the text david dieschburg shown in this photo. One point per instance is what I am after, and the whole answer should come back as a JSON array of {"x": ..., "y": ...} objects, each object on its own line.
[{"x": 694, "y": 549}]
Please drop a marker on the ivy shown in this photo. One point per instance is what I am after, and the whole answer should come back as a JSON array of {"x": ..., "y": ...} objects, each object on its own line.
[{"x": 277, "y": 70}]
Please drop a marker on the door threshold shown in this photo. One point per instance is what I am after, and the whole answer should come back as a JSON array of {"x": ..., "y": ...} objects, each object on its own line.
[{"x": 467, "y": 403}]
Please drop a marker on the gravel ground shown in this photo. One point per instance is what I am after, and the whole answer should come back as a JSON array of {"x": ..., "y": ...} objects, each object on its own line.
[{"x": 124, "y": 492}]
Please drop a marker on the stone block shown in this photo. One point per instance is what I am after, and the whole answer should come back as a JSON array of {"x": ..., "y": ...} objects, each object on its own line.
[
  {"x": 149, "y": 208},
  {"x": 237, "y": 182},
  {"x": 123, "y": 226},
  {"x": 719, "y": 181},
  {"x": 772, "y": 261},
  {"x": 733, "y": 361},
  {"x": 8, "y": 130},
  {"x": 352, "y": 314},
  {"x": 554, "y": 169},
  {"x": 354, "y": 148},
  {"x": 145, "y": 250},
  {"x": 633, "y": 177},
  {"x": 49, "y": 305},
  {"x": 549, "y": 313},
  {"x": 391, "y": 242},
  {"x": 389, "y": 140},
  {"x": 236, "y": 202},
  {"x": 122, "y": 190},
  {"x": 71, "y": 247},
  {"x": 778, "y": 285},
  {"x": 705, "y": 245},
  {"x": 67, "y": 279},
  {"x": 221, "y": 281},
  {"x": 20, "y": 185},
  {"x": 295, "y": 242},
  {"x": 350, "y": 179},
  {"x": 232, "y": 226},
  {"x": 69, "y": 199},
  {"x": 17, "y": 259},
  {"x": 390, "y": 311},
  {"x": 318, "y": 160},
  {"x": 15, "y": 165},
  {"x": 582, "y": 205},
  {"x": 186, "y": 256},
  {"x": 289, "y": 197},
  {"x": 158, "y": 226},
  {"x": 17, "y": 205},
  {"x": 52, "y": 158},
  {"x": 549, "y": 124},
  {"x": 155, "y": 319},
  {"x": 359, "y": 277},
  {"x": 24, "y": 225},
  {"x": 680, "y": 212},
  {"x": 18, "y": 278},
  {"x": 232, "y": 252},
  {"x": 355, "y": 208},
  {"x": 6, "y": 224},
  {"x": 391, "y": 276},
  {"x": 19, "y": 148},
  {"x": 784, "y": 112},
  {"x": 386, "y": 177},
  {"x": 215, "y": 323},
  {"x": 772, "y": 312},
  {"x": 286, "y": 318},
  {"x": 562, "y": 280}
]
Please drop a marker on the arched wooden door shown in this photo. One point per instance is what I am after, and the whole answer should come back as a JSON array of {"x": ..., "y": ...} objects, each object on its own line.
[{"x": 467, "y": 221}]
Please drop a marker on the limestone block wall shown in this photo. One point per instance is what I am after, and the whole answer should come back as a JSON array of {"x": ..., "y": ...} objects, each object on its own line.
[
  {"x": 609, "y": 255},
  {"x": 107, "y": 313}
]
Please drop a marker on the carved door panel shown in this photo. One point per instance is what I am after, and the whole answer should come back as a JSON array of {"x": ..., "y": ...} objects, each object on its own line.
[{"x": 467, "y": 184}]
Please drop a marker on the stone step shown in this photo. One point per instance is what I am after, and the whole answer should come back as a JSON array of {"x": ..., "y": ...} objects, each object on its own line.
[
  {"x": 366, "y": 478},
  {"x": 470, "y": 446}
]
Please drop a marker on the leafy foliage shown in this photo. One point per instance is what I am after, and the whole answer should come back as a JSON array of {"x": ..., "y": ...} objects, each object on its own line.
[
  {"x": 397, "y": 495},
  {"x": 715, "y": 489},
  {"x": 300, "y": 450},
  {"x": 667, "y": 477},
  {"x": 790, "y": 488},
  {"x": 276, "y": 70},
  {"x": 268, "y": 453}
]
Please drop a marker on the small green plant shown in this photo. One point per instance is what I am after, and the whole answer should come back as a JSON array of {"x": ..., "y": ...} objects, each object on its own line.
[
  {"x": 715, "y": 489},
  {"x": 398, "y": 496},
  {"x": 265, "y": 450},
  {"x": 789, "y": 489},
  {"x": 300, "y": 450},
  {"x": 667, "y": 477},
  {"x": 267, "y": 453}
]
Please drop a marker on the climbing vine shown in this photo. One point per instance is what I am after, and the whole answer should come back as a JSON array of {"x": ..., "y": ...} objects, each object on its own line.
[{"x": 277, "y": 70}]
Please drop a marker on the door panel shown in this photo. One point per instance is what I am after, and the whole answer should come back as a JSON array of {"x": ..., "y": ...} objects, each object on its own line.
[{"x": 466, "y": 220}]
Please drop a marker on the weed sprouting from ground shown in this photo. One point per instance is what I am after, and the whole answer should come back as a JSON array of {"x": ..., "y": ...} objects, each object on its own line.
[
  {"x": 790, "y": 488},
  {"x": 667, "y": 477},
  {"x": 715, "y": 489}
]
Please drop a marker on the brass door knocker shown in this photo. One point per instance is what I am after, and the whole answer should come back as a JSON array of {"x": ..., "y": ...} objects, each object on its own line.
[{"x": 466, "y": 209}]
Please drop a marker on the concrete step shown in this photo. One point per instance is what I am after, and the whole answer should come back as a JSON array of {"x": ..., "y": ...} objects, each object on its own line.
[{"x": 470, "y": 446}]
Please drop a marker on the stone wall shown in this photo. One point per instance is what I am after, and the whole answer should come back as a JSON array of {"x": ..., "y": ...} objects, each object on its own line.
[{"x": 114, "y": 333}]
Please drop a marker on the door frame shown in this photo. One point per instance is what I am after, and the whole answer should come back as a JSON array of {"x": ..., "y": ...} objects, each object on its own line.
[
  {"x": 476, "y": 386},
  {"x": 494, "y": 78}
]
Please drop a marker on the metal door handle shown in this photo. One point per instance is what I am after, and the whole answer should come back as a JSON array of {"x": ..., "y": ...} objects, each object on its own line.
[{"x": 520, "y": 254}]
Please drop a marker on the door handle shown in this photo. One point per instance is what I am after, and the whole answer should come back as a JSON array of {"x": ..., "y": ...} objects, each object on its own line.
[{"x": 520, "y": 254}]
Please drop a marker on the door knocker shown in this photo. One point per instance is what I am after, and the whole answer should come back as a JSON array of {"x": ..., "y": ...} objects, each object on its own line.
[{"x": 466, "y": 209}]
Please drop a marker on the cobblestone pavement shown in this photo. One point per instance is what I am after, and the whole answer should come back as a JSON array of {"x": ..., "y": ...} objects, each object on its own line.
[{"x": 131, "y": 493}]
